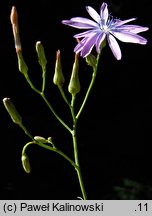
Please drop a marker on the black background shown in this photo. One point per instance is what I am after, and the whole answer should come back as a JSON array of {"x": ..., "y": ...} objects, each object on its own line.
[{"x": 115, "y": 128}]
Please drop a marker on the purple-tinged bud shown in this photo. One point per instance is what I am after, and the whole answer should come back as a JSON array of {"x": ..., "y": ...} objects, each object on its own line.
[
  {"x": 14, "y": 16},
  {"x": 15, "y": 116},
  {"x": 14, "y": 22},
  {"x": 74, "y": 84},
  {"x": 41, "y": 54},
  {"x": 58, "y": 78},
  {"x": 26, "y": 163}
]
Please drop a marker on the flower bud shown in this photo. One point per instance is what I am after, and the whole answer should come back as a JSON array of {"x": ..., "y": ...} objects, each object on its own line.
[
  {"x": 21, "y": 63},
  {"x": 26, "y": 163},
  {"x": 91, "y": 60},
  {"x": 14, "y": 16},
  {"x": 41, "y": 54},
  {"x": 40, "y": 139},
  {"x": 58, "y": 78},
  {"x": 14, "y": 22},
  {"x": 15, "y": 116},
  {"x": 74, "y": 84}
]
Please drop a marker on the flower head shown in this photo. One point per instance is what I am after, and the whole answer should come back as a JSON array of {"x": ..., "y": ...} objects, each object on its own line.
[{"x": 104, "y": 26}]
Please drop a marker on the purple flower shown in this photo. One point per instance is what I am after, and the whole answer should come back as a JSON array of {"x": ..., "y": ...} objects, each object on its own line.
[{"x": 104, "y": 26}]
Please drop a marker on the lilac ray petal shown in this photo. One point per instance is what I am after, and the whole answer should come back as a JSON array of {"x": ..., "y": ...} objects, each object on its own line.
[
  {"x": 83, "y": 20},
  {"x": 132, "y": 28},
  {"x": 114, "y": 46},
  {"x": 93, "y": 14},
  {"x": 129, "y": 37},
  {"x": 76, "y": 24},
  {"x": 80, "y": 45},
  {"x": 104, "y": 12},
  {"x": 80, "y": 22},
  {"x": 90, "y": 42},
  {"x": 122, "y": 22},
  {"x": 86, "y": 33},
  {"x": 99, "y": 40}
]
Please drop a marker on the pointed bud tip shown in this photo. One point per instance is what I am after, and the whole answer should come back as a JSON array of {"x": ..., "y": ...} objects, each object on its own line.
[
  {"x": 15, "y": 28},
  {"x": 14, "y": 16},
  {"x": 76, "y": 56},
  {"x": 58, "y": 53}
]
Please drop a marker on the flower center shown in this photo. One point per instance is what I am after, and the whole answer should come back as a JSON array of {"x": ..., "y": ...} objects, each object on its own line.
[
  {"x": 105, "y": 26},
  {"x": 105, "y": 29}
]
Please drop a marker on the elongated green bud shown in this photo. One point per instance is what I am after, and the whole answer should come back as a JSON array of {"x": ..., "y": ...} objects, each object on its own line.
[
  {"x": 22, "y": 66},
  {"x": 58, "y": 78},
  {"x": 15, "y": 116},
  {"x": 15, "y": 28},
  {"x": 26, "y": 163},
  {"x": 74, "y": 84},
  {"x": 91, "y": 60},
  {"x": 40, "y": 139},
  {"x": 41, "y": 54}
]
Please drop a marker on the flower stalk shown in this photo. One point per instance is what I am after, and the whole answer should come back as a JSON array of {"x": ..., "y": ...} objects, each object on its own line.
[{"x": 75, "y": 149}]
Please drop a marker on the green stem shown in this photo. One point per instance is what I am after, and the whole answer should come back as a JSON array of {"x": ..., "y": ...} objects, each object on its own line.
[
  {"x": 47, "y": 102},
  {"x": 63, "y": 95},
  {"x": 46, "y": 147},
  {"x": 55, "y": 114},
  {"x": 27, "y": 132},
  {"x": 78, "y": 166},
  {"x": 31, "y": 84},
  {"x": 75, "y": 147},
  {"x": 90, "y": 87},
  {"x": 43, "y": 78},
  {"x": 75, "y": 118},
  {"x": 51, "y": 149}
]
